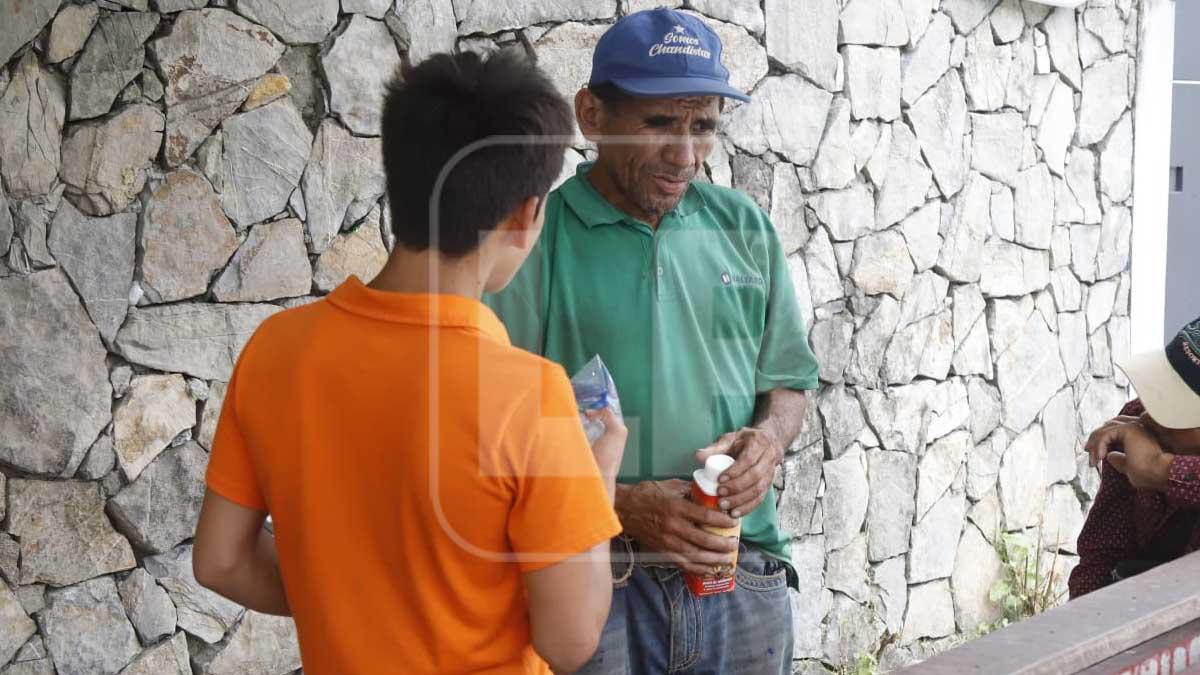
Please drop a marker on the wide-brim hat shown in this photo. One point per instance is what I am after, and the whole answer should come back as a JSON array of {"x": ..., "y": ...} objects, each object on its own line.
[{"x": 1168, "y": 380}]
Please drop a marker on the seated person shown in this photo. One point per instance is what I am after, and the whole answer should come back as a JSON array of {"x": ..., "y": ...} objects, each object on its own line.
[{"x": 1148, "y": 506}]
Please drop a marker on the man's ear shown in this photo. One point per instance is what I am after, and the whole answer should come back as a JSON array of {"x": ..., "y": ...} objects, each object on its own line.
[
  {"x": 524, "y": 224},
  {"x": 589, "y": 114}
]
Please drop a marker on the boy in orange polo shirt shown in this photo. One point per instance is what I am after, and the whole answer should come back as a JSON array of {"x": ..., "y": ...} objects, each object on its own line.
[{"x": 436, "y": 506}]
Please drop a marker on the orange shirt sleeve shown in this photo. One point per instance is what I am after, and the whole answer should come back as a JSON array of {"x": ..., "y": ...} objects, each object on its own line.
[
  {"x": 231, "y": 471},
  {"x": 561, "y": 507}
]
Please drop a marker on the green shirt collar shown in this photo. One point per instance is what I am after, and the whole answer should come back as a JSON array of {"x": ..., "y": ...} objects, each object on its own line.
[{"x": 593, "y": 209}]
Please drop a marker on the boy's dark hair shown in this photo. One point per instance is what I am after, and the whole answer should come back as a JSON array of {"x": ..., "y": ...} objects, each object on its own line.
[{"x": 436, "y": 108}]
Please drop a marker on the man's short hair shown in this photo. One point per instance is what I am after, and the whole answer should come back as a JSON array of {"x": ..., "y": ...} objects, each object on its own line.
[
  {"x": 609, "y": 94},
  {"x": 612, "y": 96},
  {"x": 438, "y": 107}
]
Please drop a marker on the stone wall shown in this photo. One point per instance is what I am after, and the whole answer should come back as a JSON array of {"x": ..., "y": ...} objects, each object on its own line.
[{"x": 951, "y": 179}]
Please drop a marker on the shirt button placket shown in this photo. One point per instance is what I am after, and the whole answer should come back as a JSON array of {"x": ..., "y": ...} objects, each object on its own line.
[
  {"x": 660, "y": 263},
  {"x": 656, "y": 270}
]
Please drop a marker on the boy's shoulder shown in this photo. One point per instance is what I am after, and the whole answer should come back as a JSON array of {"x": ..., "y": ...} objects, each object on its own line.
[
  {"x": 518, "y": 391},
  {"x": 502, "y": 364},
  {"x": 301, "y": 311},
  {"x": 522, "y": 371},
  {"x": 279, "y": 329}
]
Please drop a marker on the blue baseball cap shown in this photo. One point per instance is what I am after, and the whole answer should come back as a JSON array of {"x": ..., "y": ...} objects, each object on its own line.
[{"x": 661, "y": 52}]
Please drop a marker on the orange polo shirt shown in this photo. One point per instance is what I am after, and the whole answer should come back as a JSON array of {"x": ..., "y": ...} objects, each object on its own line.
[{"x": 415, "y": 464}]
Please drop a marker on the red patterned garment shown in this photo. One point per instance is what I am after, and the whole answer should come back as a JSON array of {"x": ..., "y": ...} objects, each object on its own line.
[{"x": 1127, "y": 524}]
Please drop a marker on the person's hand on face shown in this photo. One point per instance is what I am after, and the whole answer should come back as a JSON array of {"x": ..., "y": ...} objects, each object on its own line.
[
  {"x": 662, "y": 519},
  {"x": 744, "y": 485}
]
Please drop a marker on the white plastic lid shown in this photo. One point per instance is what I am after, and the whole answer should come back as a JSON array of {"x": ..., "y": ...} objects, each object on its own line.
[{"x": 707, "y": 477}]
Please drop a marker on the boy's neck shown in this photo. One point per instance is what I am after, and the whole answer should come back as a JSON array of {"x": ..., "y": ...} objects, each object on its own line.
[{"x": 430, "y": 272}]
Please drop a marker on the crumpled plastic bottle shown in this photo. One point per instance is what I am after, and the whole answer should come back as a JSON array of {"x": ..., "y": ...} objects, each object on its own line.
[{"x": 595, "y": 389}]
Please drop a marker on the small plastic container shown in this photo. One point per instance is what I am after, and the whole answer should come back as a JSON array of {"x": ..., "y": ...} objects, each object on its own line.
[{"x": 704, "y": 492}]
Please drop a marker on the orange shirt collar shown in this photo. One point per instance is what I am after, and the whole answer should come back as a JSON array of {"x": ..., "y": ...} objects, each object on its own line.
[{"x": 430, "y": 309}]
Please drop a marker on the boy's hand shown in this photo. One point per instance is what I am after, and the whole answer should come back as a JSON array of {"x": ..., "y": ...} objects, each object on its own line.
[
  {"x": 1099, "y": 442},
  {"x": 744, "y": 485},
  {"x": 662, "y": 520},
  {"x": 1141, "y": 459},
  {"x": 610, "y": 447}
]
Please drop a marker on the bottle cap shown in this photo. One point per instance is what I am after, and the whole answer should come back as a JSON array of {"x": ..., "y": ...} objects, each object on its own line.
[{"x": 707, "y": 477}]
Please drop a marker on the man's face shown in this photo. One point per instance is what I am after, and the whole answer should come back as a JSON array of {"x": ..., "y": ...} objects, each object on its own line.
[
  {"x": 1176, "y": 441},
  {"x": 671, "y": 139}
]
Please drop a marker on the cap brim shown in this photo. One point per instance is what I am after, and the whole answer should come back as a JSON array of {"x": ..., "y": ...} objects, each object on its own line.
[
  {"x": 677, "y": 86},
  {"x": 1168, "y": 399}
]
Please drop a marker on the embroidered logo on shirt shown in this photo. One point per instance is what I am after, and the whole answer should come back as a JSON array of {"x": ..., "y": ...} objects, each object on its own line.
[{"x": 741, "y": 280}]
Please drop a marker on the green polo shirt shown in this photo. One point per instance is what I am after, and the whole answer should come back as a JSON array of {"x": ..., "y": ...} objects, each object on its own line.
[{"x": 694, "y": 319}]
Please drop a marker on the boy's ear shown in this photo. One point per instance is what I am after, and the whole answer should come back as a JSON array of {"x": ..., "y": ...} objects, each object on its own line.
[
  {"x": 589, "y": 114},
  {"x": 524, "y": 224}
]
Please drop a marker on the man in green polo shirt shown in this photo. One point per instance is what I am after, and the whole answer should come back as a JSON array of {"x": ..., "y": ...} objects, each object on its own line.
[{"x": 682, "y": 287}]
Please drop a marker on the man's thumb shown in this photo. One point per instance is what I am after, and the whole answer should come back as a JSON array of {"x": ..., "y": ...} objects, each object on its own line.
[
  {"x": 1117, "y": 459},
  {"x": 720, "y": 447}
]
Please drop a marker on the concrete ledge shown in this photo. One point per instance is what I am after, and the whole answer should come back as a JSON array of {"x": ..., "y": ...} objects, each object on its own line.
[
  {"x": 1082, "y": 632},
  {"x": 1172, "y": 653}
]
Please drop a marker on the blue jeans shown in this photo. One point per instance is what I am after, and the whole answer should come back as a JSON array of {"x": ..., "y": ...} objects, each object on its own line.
[{"x": 656, "y": 626}]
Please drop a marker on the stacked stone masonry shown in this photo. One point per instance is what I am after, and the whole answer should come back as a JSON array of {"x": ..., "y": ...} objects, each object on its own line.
[{"x": 951, "y": 180}]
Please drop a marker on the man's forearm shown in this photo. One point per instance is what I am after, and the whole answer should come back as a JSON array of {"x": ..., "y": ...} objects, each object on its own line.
[
  {"x": 623, "y": 504},
  {"x": 635, "y": 507},
  {"x": 256, "y": 583},
  {"x": 781, "y": 413}
]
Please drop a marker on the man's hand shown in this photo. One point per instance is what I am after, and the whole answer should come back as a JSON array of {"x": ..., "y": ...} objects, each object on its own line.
[
  {"x": 745, "y": 484},
  {"x": 1133, "y": 451},
  {"x": 1098, "y": 444},
  {"x": 659, "y": 516}
]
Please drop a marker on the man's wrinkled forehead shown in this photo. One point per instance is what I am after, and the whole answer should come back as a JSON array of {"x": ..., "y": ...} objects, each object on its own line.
[{"x": 675, "y": 105}]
